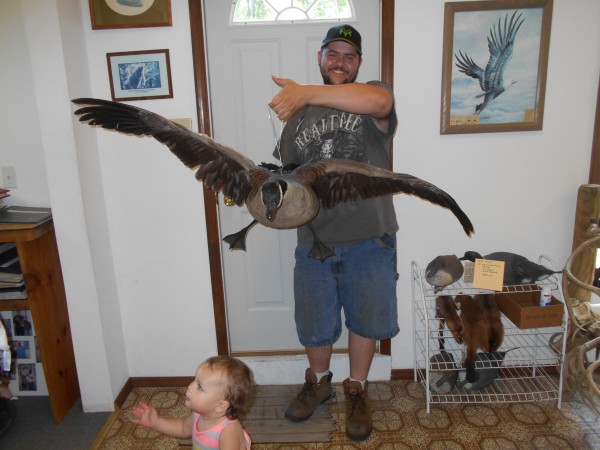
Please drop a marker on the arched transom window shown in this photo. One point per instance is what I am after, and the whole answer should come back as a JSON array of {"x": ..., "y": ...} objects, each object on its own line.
[{"x": 252, "y": 11}]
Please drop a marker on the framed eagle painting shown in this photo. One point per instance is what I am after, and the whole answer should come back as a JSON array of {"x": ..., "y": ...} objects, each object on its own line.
[{"x": 494, "y": 65}]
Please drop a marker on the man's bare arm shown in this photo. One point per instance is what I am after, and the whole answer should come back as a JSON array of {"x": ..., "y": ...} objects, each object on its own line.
[{"x": 358, "y": 98}]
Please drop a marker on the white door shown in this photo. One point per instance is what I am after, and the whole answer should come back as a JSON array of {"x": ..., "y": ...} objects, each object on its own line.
[{"x": 241, "y": 60}]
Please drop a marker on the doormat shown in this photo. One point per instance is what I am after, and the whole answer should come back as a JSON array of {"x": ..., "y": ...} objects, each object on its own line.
[{"x": 266, "y": 423}]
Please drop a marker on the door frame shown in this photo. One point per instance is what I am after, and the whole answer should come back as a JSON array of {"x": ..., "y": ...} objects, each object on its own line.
[{"x": 204, "y": 126}]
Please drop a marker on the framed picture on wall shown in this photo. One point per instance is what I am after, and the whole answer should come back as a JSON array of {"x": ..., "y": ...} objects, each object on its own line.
[
  {"x": 22, "y": 349},
  {"x": 107, "y": 14},
  {"x": 140, "y": 75},
  {"x": 494, "y": 65}
]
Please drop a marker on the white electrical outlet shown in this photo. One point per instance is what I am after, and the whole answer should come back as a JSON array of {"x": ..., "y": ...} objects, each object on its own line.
[{"x": 9, "y": 176}]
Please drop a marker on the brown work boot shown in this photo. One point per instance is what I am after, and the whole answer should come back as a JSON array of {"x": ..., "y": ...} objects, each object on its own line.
[
  {"x": 359, "y": 423},
  {"x": 311, "y": 396}
]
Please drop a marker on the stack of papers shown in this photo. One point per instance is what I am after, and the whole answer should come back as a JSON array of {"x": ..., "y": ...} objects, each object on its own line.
[
  {"x": 24, "y": 214},
  {"x": 12, "y": 283}
]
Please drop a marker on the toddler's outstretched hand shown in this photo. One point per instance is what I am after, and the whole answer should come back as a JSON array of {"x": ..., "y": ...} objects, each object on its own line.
[{"x": 144, "y": 414}]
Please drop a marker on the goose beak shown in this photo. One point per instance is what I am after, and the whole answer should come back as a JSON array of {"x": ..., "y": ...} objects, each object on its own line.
[{"x": 271, "y": 211}]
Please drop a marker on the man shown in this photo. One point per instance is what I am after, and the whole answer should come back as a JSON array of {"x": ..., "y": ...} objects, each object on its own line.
[{"x": 346, "y": 120}]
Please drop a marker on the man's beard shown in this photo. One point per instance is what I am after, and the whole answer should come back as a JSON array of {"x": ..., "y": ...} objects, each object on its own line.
[{"x": 327, "y": 79}]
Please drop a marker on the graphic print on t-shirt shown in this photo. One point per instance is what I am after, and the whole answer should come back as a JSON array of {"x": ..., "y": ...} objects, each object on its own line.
[{"x": 334, "y": 135}]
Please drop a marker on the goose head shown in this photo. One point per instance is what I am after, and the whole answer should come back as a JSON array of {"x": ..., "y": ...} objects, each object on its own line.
[
  {"x": 471, "y": 256},
  {"x": 271, "y": 195},
  {"x": 282, "y": 201}
]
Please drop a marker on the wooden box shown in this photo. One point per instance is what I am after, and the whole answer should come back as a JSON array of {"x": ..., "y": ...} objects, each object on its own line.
[{"x": 524, "y": 310}]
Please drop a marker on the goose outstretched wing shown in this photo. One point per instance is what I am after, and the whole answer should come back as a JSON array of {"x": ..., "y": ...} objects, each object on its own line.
[
  {"x": 220, "y": 168},
  {"x": 336, "y": 181}
]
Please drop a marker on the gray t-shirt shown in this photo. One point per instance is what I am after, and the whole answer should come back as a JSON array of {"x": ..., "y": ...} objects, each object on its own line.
[{"x": 315, "y": 133}]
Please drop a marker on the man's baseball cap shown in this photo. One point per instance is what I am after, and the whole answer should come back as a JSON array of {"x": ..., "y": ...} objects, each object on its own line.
[{"x": 345, "y": 33}]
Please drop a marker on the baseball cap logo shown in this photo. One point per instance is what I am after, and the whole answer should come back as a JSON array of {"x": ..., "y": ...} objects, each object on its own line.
[{"x": 346, "y": 32}]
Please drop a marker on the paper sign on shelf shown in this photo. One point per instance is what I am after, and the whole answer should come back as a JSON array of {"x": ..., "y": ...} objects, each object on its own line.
[{"x": 488, "y": 274}]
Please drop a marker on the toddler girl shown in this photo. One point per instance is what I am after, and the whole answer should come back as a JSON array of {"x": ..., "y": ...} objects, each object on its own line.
[{"x": 219, "y": 394}]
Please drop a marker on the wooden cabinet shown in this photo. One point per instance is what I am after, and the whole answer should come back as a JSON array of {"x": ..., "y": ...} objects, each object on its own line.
[{"x": 46, "y": 299}]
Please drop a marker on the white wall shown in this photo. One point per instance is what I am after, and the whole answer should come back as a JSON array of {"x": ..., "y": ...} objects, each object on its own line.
[
  {"x": 155, "y": 214},
  {"x": 519, "y": 189},
  {"x": 20, "y": 138},
  {"x": 44, "y": 113},
  {"x": 130, "y": 222}
]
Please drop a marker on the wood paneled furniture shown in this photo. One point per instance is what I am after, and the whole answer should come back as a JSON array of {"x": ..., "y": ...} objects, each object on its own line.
[{"x": 40, "y": 263}]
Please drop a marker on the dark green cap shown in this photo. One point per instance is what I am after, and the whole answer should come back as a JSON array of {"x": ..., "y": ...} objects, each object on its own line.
[{"x": 345, "y": 33}]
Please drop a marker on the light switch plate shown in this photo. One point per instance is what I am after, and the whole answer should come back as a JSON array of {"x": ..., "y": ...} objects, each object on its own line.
[{"x": 9, "y": 176}]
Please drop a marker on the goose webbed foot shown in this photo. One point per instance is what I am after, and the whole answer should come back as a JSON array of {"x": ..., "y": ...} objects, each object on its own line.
[
  {"x": 237, "y": 241},
  {"x": 319, "y": 250}
]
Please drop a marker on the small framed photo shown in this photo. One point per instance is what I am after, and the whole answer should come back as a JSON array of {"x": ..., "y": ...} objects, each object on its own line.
[
  {"x": 140, "y": 75},
  {"x": 22, "y": 325},
  {"x": 21, "y": 349},
  {"x": 494, "y": 65},
  {"x": 107, "y": 14},
  {"x": 27, "y": 377}
]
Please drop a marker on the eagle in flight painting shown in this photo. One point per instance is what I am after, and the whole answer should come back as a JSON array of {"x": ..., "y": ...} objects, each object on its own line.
[{"x": 495, "y": 64}]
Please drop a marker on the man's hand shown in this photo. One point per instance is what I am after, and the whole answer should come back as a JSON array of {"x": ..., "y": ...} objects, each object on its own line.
[
  {"x": 289, "y": 100},
  {"x": 356, "y": 98}
]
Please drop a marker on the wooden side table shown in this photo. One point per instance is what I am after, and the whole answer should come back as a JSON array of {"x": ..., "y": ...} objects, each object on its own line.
[{"x": 40, "y": 263}]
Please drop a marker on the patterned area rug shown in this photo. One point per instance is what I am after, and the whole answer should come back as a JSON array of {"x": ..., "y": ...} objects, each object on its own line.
[{"x": 400, "y": 421}]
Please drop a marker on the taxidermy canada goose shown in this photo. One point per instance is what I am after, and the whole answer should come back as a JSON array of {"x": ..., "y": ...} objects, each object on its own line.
[
  {"x": 500, "y": 44},
  {"x": 482, "y": 328},
  {"x": 443, "y": 270},
  {"x": 443, "y": 373},
  {"x": 277, "y": 198},
  {"x": 445, "y": 310},
  {"x": 517, "y": 268}
]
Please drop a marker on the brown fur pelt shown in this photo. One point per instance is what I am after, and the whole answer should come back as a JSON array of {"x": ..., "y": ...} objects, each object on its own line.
[
  {"x": 482, "y": 328},
  {"x": 446, "y": 311}
]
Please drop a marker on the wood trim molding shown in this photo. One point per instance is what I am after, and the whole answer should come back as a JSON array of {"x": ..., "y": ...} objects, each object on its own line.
[
  {"x": 204, "y": 126},
  {"x": 402, "y": 374},
  {"x": 123, "y": 393},
  {"x": 210, "y": 197},
  {"x": 387, "y": 42},
  {"x": 387, "y": 76},
  {"x": 134, "y": 382},
  {"x": 595, "y": 160}
]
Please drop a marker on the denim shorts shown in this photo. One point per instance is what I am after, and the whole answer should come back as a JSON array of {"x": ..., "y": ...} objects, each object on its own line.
[{"x": 360, "y": 279}]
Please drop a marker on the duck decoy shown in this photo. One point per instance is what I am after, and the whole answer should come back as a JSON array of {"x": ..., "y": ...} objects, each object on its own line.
[
  {"x": 487, "y": 367},
  {"x": 443, "y": 270},
  {"x": 280, "y": 199},
  {"x": 443, "y": 373},
  {"x": 517, "y": 268}
]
